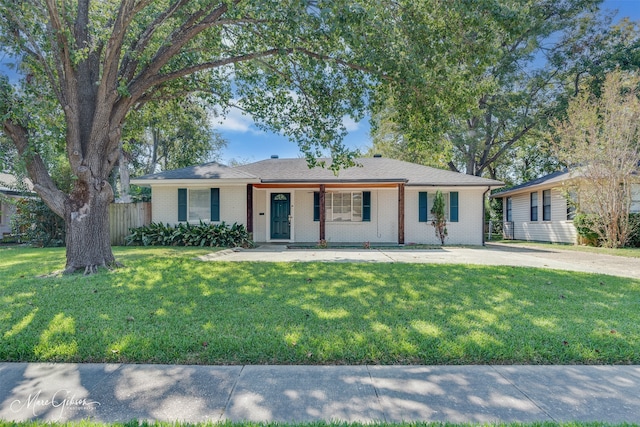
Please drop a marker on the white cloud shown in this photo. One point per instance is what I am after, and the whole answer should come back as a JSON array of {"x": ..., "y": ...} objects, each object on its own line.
[
  {"x": 350, "y": 124},
  {"x": 235, "y": 121}
]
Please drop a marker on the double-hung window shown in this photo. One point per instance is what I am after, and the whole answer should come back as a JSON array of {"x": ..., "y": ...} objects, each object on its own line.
[
  {"x": 198, "y": 204},
  {"x": 546, "y": 205},
  {"x": 509, "y": 210},
  {"x": 343, "y": 206}
]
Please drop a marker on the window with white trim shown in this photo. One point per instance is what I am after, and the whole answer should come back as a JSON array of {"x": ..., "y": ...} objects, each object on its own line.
[
  {"x": 344, "y": 206},
  {"x": 509, "y": 210},
  {"x": 198, "y": 204},
  {"x": 546, "y": 205}
]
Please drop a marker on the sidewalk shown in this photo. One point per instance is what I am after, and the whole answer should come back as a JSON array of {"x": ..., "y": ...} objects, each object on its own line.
[{"x": 112, "y": 393}]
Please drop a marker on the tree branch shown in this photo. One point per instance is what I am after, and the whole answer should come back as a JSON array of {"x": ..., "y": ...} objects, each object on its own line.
[
  {"x": 43, "y": 184},
  {"x": 178, "y": 39}
]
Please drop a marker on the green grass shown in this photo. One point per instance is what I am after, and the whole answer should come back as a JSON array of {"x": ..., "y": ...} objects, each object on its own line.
[
  {"x": 167, "y": 307},
  {"x": 626, "y": 252}
]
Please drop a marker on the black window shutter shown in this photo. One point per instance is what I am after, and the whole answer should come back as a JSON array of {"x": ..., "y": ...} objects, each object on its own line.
[
  {"x": 453, "y": 206},
  {"x": 182, "y": 204},
  {"x": 423, "y": 214},
  {"x": 366, "y": 205},
  {"x": 215, "y": 204},
  {"x": 316, "y": 206}
]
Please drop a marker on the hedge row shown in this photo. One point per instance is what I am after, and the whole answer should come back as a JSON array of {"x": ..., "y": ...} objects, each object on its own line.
[{"x": 217, "y": 235}]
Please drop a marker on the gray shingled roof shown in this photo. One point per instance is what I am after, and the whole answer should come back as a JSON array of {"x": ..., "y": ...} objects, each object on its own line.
[
  {"x": 297, "y": 171},
  {"x": 550, "y": 179},
  {"x": 211, "y": 170},
  {"x": 370, "y": 169}
]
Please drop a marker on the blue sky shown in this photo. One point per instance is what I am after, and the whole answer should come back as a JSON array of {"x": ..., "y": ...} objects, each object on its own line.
[{"x": 246, "y": 143}]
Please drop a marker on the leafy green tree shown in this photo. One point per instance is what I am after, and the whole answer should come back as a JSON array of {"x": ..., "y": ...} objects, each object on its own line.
[
  {"x": 514, "y": 99},
  {"x": 171, "y": 135},
  {"x": 600, "y": 143},
  {"x": 297, "y": 66},
  {"x": 439, "y": 222}
]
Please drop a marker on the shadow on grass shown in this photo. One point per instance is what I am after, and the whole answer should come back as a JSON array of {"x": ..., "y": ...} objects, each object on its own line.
[{"x": 165, "y": 307}]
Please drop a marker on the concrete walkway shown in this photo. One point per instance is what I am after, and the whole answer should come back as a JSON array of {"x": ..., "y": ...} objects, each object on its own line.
[
  {"x": 492, "y": 254},
  {"x": 117, "y": 393}
]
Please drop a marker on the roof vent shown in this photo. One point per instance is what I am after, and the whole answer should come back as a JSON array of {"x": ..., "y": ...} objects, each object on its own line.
[
  {"x": 274, "y": 156},
  {"x": 377, "y": 156}
]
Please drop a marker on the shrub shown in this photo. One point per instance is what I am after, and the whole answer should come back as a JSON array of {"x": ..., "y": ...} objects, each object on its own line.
[
  {"x": 585, "y": 226},
  {"x": 213, "y": 235},
  {"x": 634, "y": 233},
  {"x": 37, "y": 225},
  {"x": 439, "y": 217}
]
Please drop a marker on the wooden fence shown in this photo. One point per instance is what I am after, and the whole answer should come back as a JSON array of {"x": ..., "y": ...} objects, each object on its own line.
[{"x": 123, "y": 216}]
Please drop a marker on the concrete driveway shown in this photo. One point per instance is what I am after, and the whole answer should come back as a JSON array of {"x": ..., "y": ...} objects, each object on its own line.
[{"x": 492, "y": 254}]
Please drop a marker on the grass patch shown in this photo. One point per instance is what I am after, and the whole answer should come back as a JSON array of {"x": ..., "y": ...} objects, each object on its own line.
[
  {"x": 167, "y": 307},
  {"x": 625, "y": 252}
]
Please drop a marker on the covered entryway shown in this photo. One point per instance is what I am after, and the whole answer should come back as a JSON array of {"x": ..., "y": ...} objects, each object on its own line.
[{"x": 280, "y": 216}]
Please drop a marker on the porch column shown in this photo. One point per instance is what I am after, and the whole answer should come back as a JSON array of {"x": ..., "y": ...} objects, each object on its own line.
[
  {"x": 250, "y": 208},
  {"x": 322, "y": 213},
  {"x": 401, "y": 214}
]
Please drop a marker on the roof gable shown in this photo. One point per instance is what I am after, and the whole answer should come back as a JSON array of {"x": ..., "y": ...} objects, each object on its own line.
[
  {"x": 211, "y": 170},
  {"x": 548, "y": 181}
]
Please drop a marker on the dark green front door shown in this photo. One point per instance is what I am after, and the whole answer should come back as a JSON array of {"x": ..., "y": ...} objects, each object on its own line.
[{"x": 280, "y": 211}]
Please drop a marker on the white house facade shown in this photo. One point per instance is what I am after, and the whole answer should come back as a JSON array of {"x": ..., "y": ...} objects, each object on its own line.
[
  {"x": 283, "y": 200},
  {"x": 539, "y": 210}
]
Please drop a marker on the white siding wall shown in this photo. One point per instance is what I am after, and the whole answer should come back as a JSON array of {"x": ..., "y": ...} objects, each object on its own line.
[
  {"x": 233, "y": 203},
  {"x": 164, "y": 205},
  {"x": 383, "y": 227},
  {"x": 467, "y": 231},
  {"x": 635, "y": 198},
  {"x": 259, "y": 215},
  {"x": 305, "y": 228},
  {"x": 558, "y": 230}
]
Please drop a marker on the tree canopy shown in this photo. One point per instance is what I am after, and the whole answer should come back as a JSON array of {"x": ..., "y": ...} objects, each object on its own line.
[
  {"x": 515, "y": 94},
  {"x": 297, "y": 66}
]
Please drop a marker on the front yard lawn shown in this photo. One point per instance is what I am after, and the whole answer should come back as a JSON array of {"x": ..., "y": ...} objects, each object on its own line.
[{"x": 167, "y": 307}]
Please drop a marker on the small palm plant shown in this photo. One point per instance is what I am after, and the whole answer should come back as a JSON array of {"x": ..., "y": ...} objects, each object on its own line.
[{"x": 439, "y": 220}]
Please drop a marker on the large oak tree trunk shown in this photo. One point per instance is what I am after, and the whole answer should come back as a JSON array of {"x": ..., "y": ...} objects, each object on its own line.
[{"x": 87, "y": 226}]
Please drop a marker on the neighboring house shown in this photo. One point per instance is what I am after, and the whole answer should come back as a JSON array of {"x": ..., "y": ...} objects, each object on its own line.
[
  {"x": 283, "y": 200},
  {"x": 538, "y": 210},
  {"x": 9, "y": 189}
]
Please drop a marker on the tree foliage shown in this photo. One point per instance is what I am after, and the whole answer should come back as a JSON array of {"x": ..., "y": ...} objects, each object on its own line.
[
  {"x": 599, "y": 142},
  {"x": 170, "y": 135},
  {"x": 297, "y": 66},
  {"x": 514, "y": 95}
]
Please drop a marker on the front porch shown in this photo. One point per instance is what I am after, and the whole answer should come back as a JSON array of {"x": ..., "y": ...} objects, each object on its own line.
[{"x": 360, "y": 214}]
